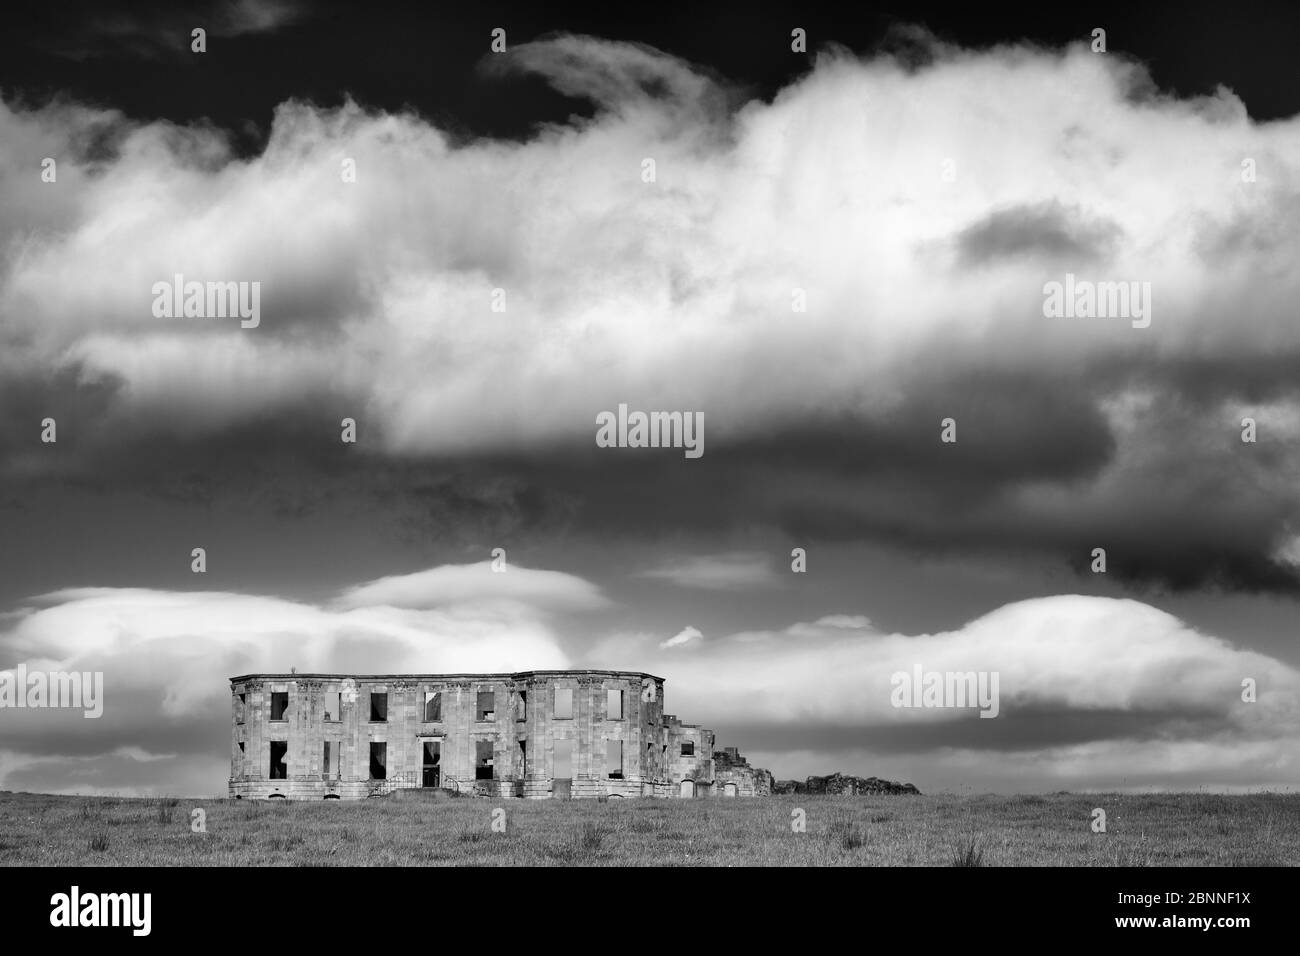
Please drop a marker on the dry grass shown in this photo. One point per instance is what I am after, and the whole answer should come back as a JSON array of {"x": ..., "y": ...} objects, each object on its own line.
[{"x": 1142, "y": 830}]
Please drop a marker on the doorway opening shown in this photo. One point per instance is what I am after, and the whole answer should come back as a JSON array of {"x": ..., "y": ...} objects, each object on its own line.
[{"x": 432, "y": 763}]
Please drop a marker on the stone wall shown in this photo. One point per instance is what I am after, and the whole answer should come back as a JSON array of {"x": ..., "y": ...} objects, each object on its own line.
[
  {"x": 734, "y": 777},
  {"x": 696, "y": 765},
  {"x": 843, "y": 784}
]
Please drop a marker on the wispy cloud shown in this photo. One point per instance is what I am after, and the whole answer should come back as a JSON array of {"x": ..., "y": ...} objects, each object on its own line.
[
  {"x": 465, "y": 583},
  {"x": 737, "y": 571},
  {"x": 687, "y": 635},
  {"x": 154, "y": 32}
]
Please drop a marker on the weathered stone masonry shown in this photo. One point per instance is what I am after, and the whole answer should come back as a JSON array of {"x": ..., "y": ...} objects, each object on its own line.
[{"x": 536, "y": 734}]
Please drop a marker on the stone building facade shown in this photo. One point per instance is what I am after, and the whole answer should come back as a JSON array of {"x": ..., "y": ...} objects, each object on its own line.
[{"x": 534, "y": 734}]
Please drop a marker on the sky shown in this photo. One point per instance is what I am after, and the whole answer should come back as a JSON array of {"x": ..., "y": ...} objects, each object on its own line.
[{"x": 914, "y": 181}]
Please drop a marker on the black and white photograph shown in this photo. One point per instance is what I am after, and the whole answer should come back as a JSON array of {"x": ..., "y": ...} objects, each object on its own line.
[{"x": 726, "y": 435}]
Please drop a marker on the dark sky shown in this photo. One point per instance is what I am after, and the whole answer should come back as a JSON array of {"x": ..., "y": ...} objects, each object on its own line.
[
  {"x": 422, "y": 55},
  {"x": 776, "y": 171}
]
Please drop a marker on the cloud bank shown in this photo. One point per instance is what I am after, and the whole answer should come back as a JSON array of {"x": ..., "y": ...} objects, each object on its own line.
[
  {"x": 1094, "y": 692},
  {"x": 919, "y": 209}
]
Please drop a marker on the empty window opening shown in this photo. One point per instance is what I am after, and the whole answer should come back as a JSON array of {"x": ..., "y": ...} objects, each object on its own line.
[
  {"x": 279, "y": 762},
  {"x": 279, "y": 704},
  {"x": 563, "y": 703},
  {"x": 333, "y": 705},
  {"x": 487, "y": 705},
  {"x": 378, "y": 761},
  {"x": 614, "y": 759},
  {"x": 378, "y": 708},
  {"x": 523, "y": 758},
  {"x": 563, "y": 759},
  {"x": 330, "y": 768},
  {"x": 483, "y": 760},
  {"x": 523, "y": 706},
  {"x": 432, "y": 763},
  {"x": 433, "y": 705},
  {"x": 239, "y": 709},
  {"x": 241, "y": 746},
  {"x": 688, "y": 748},
  {"x": 614, "y": 704}
]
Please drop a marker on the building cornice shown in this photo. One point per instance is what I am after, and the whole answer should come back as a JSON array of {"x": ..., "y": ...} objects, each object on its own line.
[{"x": 515, "y": 675}]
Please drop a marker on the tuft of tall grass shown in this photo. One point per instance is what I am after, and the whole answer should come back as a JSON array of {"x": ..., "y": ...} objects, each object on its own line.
[
  {"x": 969, "y": 853},
  {"x": 167, "y": 809},
  {"x": 847, "y": 834}
]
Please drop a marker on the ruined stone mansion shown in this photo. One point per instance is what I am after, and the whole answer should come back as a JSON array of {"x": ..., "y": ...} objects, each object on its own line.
[{"x": 534, "y": 734}]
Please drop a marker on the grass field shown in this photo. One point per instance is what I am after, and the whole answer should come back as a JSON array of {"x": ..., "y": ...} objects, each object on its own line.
[{"x": 1141, "y": 830}]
